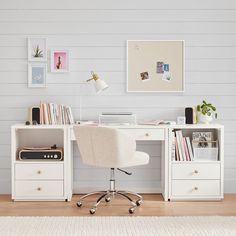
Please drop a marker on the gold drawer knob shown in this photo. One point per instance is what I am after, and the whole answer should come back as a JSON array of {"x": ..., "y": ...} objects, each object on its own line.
[
  {"x": 39, "y": 189},
  {"x": 196, "y": 188},
  {"x": 147, "y": 134},
  {"x": 196, "y": 172},
  {"x": 39, "y": 172}
]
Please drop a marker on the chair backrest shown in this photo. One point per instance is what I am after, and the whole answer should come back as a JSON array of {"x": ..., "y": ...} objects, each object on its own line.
[{"x": 104, "y": 147}]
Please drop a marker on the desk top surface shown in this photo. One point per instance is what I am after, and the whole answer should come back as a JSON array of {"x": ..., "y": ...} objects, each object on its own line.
[{"x": 191, "y": 126}]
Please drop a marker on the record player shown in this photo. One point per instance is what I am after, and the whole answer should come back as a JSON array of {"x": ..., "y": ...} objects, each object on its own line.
[{"x": 41, "y": 153}]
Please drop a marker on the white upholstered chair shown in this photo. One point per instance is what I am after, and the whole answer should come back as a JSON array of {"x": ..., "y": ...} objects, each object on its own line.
[{"x": 109, "y": 148}]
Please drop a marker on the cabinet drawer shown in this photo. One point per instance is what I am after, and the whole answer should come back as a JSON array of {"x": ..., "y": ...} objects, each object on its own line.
[
  {"x": 38, "y": 171},
  {"x": 196, "y": 171},
  {"x": 195, "y": 187},
  {"x": 38, "y": 188},
  {"x": 146, "y": 134}
]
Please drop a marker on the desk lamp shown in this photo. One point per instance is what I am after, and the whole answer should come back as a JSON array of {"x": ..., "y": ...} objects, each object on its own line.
[{"x": 99, "y": 84}]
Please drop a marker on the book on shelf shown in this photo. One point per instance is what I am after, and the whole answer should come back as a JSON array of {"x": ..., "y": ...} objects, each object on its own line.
[
  {"x": 183, "y": 148},
  {"x": 190, "y": 149},
  {"x": 157, "y": 122},
  {"x": 55, "y": 114},
  {"x": 173, "y": 148}
]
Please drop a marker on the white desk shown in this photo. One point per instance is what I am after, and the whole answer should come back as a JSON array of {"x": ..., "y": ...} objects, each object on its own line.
[
  {"x": 147, "y": 133},
  {"x": 178, "y": 181}
]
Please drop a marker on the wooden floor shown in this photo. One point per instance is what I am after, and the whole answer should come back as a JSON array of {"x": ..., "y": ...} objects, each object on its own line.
[{"x": 152, "y": 206}]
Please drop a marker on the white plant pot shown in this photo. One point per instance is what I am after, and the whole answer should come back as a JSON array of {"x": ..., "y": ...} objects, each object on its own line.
[{"x": 205, "y": 118}]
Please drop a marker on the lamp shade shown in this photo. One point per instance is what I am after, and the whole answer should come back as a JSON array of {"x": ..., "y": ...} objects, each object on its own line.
[{"x": 100, "y": 85}]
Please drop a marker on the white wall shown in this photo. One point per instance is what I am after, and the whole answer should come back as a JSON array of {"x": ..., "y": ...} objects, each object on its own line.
[{"x": 96, "y": 34}]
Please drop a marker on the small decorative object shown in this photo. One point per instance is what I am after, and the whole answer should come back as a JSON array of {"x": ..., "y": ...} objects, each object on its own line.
[
  {"x": 37, "y": 49},
  {"x": 206, "y": 112},
  {"x": 159, "y": 63},
  {"x": 181, "y": 120},
  {"x": 203, "y": 139},
  {"x": 205, "y": 147},
  {"x": 60, "y": 61},
  {"x": 37, "y": 75},
  {"x": 99, "y": 84},
  {"x": 190, "y": 114}
]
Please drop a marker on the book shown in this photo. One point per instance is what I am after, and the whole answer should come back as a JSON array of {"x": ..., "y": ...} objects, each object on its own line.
[
  {"x": 151, "y": 122},
  {"x": 173, "y": 148},
  {"x": 190, "y": 150},
  {"x": 180, "y": 139},
  {"x": 176, "y": 151},
  {"x": 186, "y": 149},
  {"x": 55, "y": 114}
]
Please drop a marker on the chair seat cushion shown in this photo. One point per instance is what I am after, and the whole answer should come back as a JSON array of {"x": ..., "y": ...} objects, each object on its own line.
[{"x": 140, "y": 158}]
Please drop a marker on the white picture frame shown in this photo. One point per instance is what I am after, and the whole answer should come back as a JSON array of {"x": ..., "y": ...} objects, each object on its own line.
[
  {"x": 37, "y": 75},
  {"x": 60, "y": 60},
  {"x": 37, "y": 49},
  {"x": 144, "y": 58}
]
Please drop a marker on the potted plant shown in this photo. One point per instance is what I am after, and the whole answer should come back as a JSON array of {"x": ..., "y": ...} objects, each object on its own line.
[{"x": 206, "y": 112}]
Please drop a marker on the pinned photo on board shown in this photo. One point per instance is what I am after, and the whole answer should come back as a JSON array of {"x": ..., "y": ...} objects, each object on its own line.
[
  {"x": 160, "y": 67},
  {"x": 166, "y": 76},
  {"x": 166, "y": 67},
  {"x": 144, "y": 76}
]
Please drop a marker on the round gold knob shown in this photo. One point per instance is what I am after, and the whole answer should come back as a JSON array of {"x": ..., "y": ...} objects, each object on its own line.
[
  {"x": 39, "y": 172},
  {"x": 147, "y": 134},
  {"x": 196, "y": 171},
  {"x": 196, "y": 188},
  {"x": 39, "y": 189}
]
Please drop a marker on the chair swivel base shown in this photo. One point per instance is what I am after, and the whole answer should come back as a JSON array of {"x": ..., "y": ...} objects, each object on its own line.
[{"x": 107, "y": 195}]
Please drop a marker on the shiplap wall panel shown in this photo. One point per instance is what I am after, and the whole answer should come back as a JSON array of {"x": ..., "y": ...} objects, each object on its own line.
[
  {"x": 94, "y": 40},
  {"x": 117, "y": 52},
  {"x": 194, "y": 77},
  {"x": 95, "y": 32},
  {"x": 122, "y": 4}
]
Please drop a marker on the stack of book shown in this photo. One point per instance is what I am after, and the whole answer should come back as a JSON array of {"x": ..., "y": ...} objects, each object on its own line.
[
  {"x": 55, "y": 114},
  {"x": 181, "y": 147}
]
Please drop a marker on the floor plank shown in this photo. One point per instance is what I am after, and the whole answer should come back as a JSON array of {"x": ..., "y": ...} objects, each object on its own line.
[{"x": 152, "y": 206}]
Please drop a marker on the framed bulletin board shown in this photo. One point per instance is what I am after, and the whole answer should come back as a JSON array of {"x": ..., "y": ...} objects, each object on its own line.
[{"x": 155, "y": 66}]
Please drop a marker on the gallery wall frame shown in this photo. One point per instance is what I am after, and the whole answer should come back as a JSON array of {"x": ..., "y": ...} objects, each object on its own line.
[
  {"x": 37, "y": 49},
  {"x": 37, "y": 75},
  {"x": 60, "y": 60},
  {"x": 155, "y": 66}
]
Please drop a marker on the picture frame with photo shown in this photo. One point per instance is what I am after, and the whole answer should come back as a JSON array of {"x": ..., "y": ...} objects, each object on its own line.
[
  {"x": 60, "y": 61},
  {"x": 37, "y": 75},
  {"x": 37, "y": 49}
]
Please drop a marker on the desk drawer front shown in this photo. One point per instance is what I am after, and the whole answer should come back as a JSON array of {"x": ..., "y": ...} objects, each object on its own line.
[
  {"x": 195, "y": 187},
  {"x": 196, "y": 171},
  {"x": 36, "y": 171},
  {"x": 146, "y": 134},
  {"x": 38, "y": 188}
]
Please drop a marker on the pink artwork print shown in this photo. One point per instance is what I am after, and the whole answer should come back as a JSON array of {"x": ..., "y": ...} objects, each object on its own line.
[{"x": 60, "y": 61}]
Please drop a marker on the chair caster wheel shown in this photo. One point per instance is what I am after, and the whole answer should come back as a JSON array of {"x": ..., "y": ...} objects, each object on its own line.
[
  {"x": 131, "y": 210},
  {"x": 79, "y": 204},
  {"x": 108, "y": 199},
  {"x": 138, "y": 202},
  {"x": 92, "y": 210}
]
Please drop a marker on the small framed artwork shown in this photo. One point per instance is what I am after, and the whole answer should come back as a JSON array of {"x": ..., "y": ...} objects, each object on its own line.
[
  {"x": 158, "y": 63},
  {"x": 37, "y": 49},
  {"x": 60, "y": 61},
  {"x": 37, "y": 75}
]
